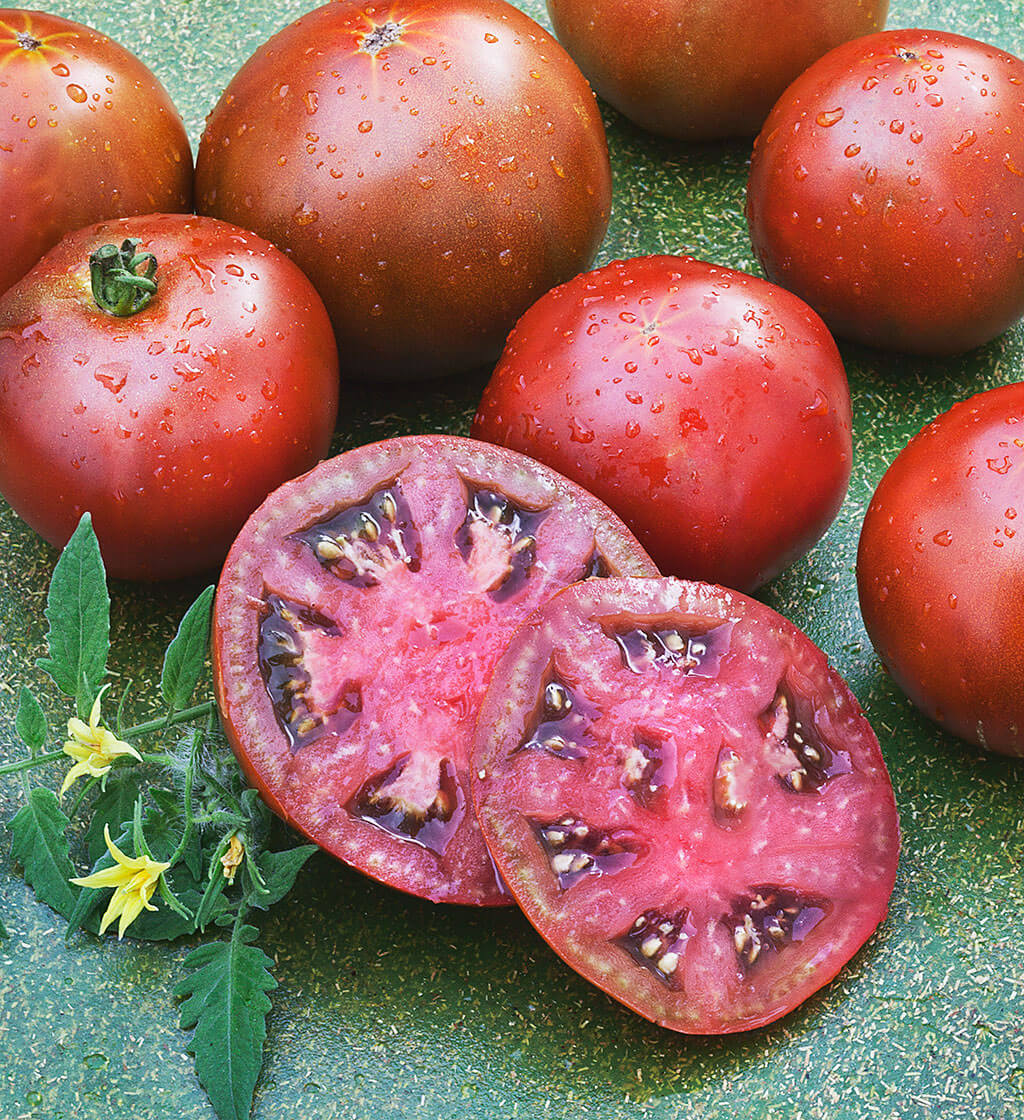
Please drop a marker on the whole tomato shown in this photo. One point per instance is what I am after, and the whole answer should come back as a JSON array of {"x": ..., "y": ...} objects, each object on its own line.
[
  {"x": 433, "y": 165},
  {"x": 940, "y": 570},
  {"x": 887, "y": 189},
  {"x": 698, "y": 70},
  {"x": 707, "y": 407},
  {"x": 170, "y": 421},
  {"x": 86, "y": 132}
]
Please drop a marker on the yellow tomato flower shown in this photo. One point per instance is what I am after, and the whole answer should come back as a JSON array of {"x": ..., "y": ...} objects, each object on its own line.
[
  {"x": 135, "y": 881},
  {"x": 93, "y": 747},
  {"x": 231, "y": 860}
]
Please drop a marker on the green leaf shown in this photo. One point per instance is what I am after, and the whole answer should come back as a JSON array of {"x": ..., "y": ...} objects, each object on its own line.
[
  {"x": 186, "y": 655},
  {"x": 78, "y": 611},
  {"x": 225, "y": 1002},
  {"x": 279, "y": 871},
  {"x": 29, "y": 722},
  {"x": 113, "y": 807},
  {"x": 40, "y": 845}
]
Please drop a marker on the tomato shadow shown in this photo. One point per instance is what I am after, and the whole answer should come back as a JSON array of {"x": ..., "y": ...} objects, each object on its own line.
[
  {"x": 671, "y": 196},
  {"x": 472, "y": 1006}
]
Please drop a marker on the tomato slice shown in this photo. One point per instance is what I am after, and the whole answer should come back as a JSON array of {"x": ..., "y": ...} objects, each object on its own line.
[
  {"x": 357, "y": 620},
  {"x": 685, "y": 800}
]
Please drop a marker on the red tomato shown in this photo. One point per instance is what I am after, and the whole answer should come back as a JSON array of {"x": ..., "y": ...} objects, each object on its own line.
[
  {"x": 698, "y": 70},
  {"x": 708, "y": 408},
  {"x": 940, "y": 570},
  {"x": 887, "y": 189},
  {"x": 355, "y": 626},
  {"x": 433, "y": 165},
  {"x": 86, "y": 132},
  {"x": 170, "y": 425},
  {"x": 685, "y": 800}
]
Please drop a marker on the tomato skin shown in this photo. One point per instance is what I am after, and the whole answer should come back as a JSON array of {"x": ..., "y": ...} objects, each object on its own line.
[
  {"x": 696, "y": 70},
  {"x": 708, "y": 408},
  {"x": 887, "y": 188},
  {"x": 431, "y": 190},
  {"x": 680, "y": 787},
  {"x": 940, "y": 570},
  {"x": 172, "y": 425},
  {"x": 87, "y": 132}
]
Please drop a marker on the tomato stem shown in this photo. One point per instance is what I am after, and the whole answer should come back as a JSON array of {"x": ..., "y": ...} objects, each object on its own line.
[{"x": 116, "y": 286}]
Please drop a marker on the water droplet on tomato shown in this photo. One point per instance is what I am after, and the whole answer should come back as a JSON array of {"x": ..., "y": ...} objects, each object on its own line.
[
  {"x": 77, "y": 94},
  {"x": 365, "y": 126},
  {"x": 829, "y": 117},
  {"x": 999, "y": 466},
  {"x": 579, "y": 432},
  {"x": 944, "y": 539},
  {"x": 60, "y": 70},
  {"x": 933, "y": 99}
]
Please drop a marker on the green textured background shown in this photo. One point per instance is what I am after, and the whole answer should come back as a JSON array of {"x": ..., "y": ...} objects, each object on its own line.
[{"x": 391, "y": 1007}]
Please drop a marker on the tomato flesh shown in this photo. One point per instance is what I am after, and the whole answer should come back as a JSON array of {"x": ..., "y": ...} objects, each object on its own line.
[
  {"x": 721, "y": 836},
  {"x": 356, "y": 623}
]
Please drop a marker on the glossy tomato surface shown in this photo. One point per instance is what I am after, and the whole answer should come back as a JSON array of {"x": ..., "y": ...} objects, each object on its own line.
[
  {"x": 172, "y": 425},
  {"x": 685, "y": 800},
  {"x": 707, "y": 407},
  {"x": 86, "y": 132},
  {"x": 356, "y": 624},
  {"x": 433, "y": 165},
  {"x": 698, "y": 70},
  {"x": 887, "y": 189},
  {"x": 940, "y": 570}
]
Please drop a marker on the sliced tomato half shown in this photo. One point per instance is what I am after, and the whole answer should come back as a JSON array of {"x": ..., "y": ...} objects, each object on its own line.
[
  {"x": 685, "y": 800},
  {"x": 357, "y": 619}
]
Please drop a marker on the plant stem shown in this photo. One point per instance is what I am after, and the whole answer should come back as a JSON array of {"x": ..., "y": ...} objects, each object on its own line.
[{"x": 31, "y": 763}]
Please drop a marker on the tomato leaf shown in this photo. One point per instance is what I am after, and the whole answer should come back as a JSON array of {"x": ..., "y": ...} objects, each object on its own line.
[
  {"x": 39, "y": 843},
  {"x": 78, "y": 611},
  {"x": 279, "y": 871},
  {"x": 29, "y": 722},
  {"x": 186, "y": 655},
  {"x": 113, "y": 807},
  {"x": 225, "y": 1002}
]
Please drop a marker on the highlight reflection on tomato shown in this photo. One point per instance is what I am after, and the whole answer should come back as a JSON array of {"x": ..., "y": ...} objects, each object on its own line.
[
  {"x": 86, "y": 132},
  {"x": 433, "y": 166}
]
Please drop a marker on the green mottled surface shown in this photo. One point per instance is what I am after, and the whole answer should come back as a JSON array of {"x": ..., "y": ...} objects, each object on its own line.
[{"x": 390, "y": 1007}]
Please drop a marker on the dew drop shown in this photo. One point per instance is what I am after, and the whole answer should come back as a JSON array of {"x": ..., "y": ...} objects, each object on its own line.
[
  {"x": 77, "y": 94},
  {"x": 944, "y": 539},
  {"x": 365, "y": 126},
  {"x": 828, "y": 117}
]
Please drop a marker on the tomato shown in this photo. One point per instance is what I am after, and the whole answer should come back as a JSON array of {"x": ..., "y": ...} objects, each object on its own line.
[
  {"x": 86, "y": 132},
  {"x": 887, "y": 189},
  {"x": 433, "y": 166},
  {"x": 172, "y": 424},
  {"x": 356, "y": 623},
  {"x": 708, "y": 408},
  {"x": 940, "y": 570},
  {"x": 685, "y": 800},
  {"x": 697, "y": 70}
]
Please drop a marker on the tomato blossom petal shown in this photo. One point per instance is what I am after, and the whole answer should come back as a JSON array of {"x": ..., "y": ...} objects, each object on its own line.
[
  {"x": 93, "y": 747},
  {"x": 134, "y": 879}
]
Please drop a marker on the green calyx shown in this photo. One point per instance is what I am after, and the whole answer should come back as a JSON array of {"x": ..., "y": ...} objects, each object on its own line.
[{"x": 117, "y": 287}]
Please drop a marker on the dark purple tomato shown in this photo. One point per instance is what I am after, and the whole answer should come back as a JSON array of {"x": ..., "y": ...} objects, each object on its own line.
[
  {"x": 86, "y": 132},
  {"x": 708, "y": 408},
  {"x": 940, "y": 570},
  {"x": 357, "y": 620},
  {"x": 887, "y": 189},
  {"x": 698, "y": 70},
  {"x": 685, "y": 800},
  {"x": 169, "y": 424},
  {"x": 433, "y": 165}
]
